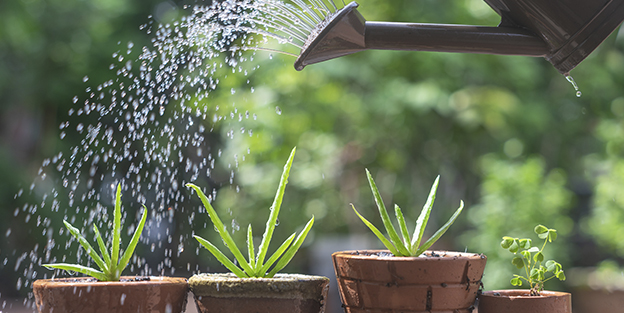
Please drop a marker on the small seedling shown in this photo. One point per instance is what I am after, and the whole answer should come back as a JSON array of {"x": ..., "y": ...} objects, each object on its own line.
[
  {"x": 256, "y": 265},
  {"x": 407, "y": 246},
  {"x": 110, "y": 264},
  {"x": 532, "y": 260}
]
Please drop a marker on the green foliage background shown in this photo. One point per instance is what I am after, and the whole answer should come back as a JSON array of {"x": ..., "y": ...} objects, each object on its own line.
[{"x": 506, "y": 134}]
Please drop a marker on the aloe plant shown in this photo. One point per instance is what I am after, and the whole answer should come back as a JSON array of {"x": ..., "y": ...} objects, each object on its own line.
[
  {"x": 256, "y": 266},
  {"x": 110, "y": 264},
  {"x": 531, "y": 259},
  {"x": 406, "y": 245}
]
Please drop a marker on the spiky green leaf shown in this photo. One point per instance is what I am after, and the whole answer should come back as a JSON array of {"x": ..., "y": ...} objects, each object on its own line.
[
  {"x": 87, "y": 246},
  {"x": 423, "y": 218},
  {"x": 290, "y": 253},
  {"x": 116, "y": 231},
  {"x": 102, "y": 245},
  {"x": 250, "y": 248},
  {"x": 275, "y": 208},
  {"x": 385, "y": 218},
  {"x": 80, "y": 269},
  {"x": 133, "y": 242},
  {"x": 377, "y": 233},
  {"x": 402, "y": 226},
  {"x": 440, "y": 231},
  {"x": 221, "y": 257},
  {"x": 262, "y": 272},
  {"x": 225, "y": 235}
]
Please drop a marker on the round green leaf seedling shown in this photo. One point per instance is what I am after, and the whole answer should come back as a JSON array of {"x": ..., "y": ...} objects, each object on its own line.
[{"x": 531, "y": 259}]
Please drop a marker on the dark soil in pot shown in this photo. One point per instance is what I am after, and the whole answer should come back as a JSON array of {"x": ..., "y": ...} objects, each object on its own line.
[
  {"x": 376, "y": 281},
  {"x": 130, "y": 294},
  {"x": 519, "y": 301},
  {"x": 292, "y": 293}
]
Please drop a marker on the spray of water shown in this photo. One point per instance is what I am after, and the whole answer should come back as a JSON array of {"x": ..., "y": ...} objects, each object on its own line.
[{"x": 153, "y": 127}]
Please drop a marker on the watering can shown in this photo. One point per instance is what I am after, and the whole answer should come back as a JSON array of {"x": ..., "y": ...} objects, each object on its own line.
[{"x": 564, "y": 32}]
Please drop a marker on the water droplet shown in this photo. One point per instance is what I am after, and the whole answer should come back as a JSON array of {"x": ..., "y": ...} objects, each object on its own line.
[
  {"x": 85, "y": 79},
  {"x": 278, "y": 110},
  {"x": 571, "y": 80},
  {"x": 122, "y": 299}
]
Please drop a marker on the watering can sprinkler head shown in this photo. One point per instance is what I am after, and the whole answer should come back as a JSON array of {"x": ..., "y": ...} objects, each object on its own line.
[{"x": 564, "y": 32}]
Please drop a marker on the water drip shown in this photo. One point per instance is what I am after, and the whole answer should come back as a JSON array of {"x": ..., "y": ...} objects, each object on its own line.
[{"x": 571, "y": 80}]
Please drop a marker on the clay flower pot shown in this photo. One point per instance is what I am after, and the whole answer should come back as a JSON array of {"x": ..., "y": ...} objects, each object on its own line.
[
  {"x": 86, "y": 294},
  {"x": 290, "y": 293},
  {"x": 519, "y": 301},
  {"x": 376, "y": 281}
]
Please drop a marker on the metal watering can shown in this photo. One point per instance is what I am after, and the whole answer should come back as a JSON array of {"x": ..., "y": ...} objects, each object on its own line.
[{"x": 564, "y": 32}]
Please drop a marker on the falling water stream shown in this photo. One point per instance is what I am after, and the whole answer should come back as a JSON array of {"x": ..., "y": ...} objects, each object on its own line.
[{"x": 153, "y": 127}]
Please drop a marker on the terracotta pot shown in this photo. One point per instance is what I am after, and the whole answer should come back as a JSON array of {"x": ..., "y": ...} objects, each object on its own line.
[
  {"x": 290, "y": 293},
  {"x": 587, "y": 300},
  {"x": 519, "y": 301},
  {"x": 439, "y": 282},
  {"x": 85, "y": 294}
]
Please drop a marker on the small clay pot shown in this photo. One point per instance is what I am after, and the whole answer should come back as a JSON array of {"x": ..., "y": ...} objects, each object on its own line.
[
  {"x": 85, "y": 294},
  {"x": 375, "y": 281},
  {"x": 588, "y": 300},
  {"x": 519, "y": 301},
  {"x": 292, "y": 293}
]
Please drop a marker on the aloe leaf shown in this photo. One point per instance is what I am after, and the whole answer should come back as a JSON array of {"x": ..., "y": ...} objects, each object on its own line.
[
  {"x": 402, "y": 225},
  {"x": 87, "y": 246},
  {"x": 116, "y": 231},
  {"x": 227, "y": 239},
  {"x": 423, "y": 218},
  {"x": 221, "y": 257},
  {"x": 133, "y": 243},
  {"x": 102, "y": 245},
  {"x": 290, "y": 253},
  {"x": 394, "y": 237},
  {"x": 377, "y": 233},
  {"x": 262, "y": 272},
  {"x": 441, "y": 231},
  {"x": 80, "y": 269},
  {"x": 250, "y": 248},
  {"x": 275, "y": 208}
]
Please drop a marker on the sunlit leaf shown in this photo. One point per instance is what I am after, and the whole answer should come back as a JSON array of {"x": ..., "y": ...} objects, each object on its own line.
[{"x": 392, "y": 233}]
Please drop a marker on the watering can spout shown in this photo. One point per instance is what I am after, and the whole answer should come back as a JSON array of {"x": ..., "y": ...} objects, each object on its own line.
[{"x": 564, "y": 32}]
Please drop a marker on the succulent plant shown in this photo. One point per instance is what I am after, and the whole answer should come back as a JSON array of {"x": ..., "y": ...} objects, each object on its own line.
[
  {"x": 111, "y": 264},
  {"x": 256, "y": 266},
  {"x": 406, "y": 246}
]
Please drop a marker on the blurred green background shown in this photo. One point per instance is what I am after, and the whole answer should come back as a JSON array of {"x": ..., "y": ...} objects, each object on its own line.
[{"x": 506, "y": 134}]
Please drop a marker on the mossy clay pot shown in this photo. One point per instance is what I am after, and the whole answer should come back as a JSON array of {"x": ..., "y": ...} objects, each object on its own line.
[
  {"x": 375, "y": 281},
  {"x": 519, "y": 301},
  {"x": 292, "y": 293},
  {"x": 130, "y": 294}
]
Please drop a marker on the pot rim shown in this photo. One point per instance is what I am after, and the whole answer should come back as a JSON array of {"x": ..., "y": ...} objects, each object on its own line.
[
  {"x": 283, "y": 286},
  {"x": 90, "y": 281},
  {"x": 522, "y": 294},
  {"x": 438, "y": 255}
]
